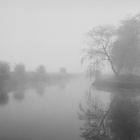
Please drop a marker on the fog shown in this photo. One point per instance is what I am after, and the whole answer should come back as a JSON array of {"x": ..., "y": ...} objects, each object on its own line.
[
  {"x": 48, "y": 91},
  {"x": 46, "y": 32}
]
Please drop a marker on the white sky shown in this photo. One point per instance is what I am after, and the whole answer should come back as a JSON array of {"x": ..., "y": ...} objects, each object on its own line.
[{"x": 52, "y": 32}]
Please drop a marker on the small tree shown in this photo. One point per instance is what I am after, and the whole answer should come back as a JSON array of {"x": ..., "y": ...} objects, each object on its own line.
[
  {"x": 4, "y": 76},
  {"x": 41, "y": 69},
  {"x": 41, "y": 74},
  {"x": 19, "y": 75},
  {"x": 19, "y": 69},
  {"x": 63, "y": 70}
]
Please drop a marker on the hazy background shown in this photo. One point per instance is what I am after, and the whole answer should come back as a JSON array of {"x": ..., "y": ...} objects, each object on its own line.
[
  {"x": 40, "y": 104},
  {"x": 52, "y": 32}
]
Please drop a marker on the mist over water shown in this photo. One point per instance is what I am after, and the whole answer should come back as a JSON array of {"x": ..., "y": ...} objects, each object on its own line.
[
  {"x": 69, "y": 70},
  {"x": 50, "y": 115}
]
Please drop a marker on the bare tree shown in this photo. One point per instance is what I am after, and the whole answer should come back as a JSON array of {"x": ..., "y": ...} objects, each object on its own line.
[
  {"x": 99, "y": 48},
  {"x": 95, "y": 126},
  {"x": 119, "y": 47}
]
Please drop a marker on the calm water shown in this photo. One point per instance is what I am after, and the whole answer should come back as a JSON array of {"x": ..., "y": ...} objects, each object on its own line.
[{"x": 52, "y": 115}]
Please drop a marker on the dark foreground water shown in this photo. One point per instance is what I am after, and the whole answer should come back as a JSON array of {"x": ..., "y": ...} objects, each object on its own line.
[{"x": 48, "y": 115}]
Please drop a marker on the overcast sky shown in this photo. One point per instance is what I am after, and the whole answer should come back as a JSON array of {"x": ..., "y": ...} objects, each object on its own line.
[{"x": 52, "y": 32}]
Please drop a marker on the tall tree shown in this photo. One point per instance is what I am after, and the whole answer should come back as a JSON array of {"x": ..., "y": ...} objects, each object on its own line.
[
  {"x": 100, "y": 44},
  {"x": 126, "y": 48},
  {"x": 121, "y": 49},
  {"x": 117, "y": 46}
]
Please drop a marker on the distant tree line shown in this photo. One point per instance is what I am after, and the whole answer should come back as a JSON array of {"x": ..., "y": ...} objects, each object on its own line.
[
  {"x": 19, "y": 80},
  {"x": 20, "y": 77}
]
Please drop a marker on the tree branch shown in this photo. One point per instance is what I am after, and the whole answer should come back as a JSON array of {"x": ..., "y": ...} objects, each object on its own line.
[
  {"x": 104, "y": 117},
  {"x": 109, "y": 59}
]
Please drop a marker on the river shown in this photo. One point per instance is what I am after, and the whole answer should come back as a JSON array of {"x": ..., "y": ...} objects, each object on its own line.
[{"x": 48, "y": 115}]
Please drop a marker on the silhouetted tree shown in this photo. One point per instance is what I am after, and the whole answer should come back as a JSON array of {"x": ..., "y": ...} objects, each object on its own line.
[
  {"x": 99, "y": 48},
  {"x": 63, "y": 70},
  {"x": 41, "y": 69},
  {"x": 19, "y": 76},
  {"x": 19, "y": 69},
  {"x": 41, "y": 73},
  {"x": 4, "y": 76},
  {"x": 126, "y": 48},
  {"x": 119, "y": 47}
]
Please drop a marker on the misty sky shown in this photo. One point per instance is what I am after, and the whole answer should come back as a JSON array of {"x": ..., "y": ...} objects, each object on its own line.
[{"x": 52, "y": 32}]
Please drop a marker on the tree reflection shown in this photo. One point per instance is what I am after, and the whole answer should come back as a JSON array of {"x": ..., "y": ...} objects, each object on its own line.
[
  {"x": 19, "y": 80},
  {"x": 40, "y": 88},
  {"x": 118, "y": 49},
  {"x": 125, "y": 119},
  {"x": 4, "y": 77},
  {"x": 20, "y": 90},
  {"x": 120, "y": 120},
  {"x": 19, "y": 94},
  {"x": 93, "y": 115},
  {"x": 4, "y": 98}
]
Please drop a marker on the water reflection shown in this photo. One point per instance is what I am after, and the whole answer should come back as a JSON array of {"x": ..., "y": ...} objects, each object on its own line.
[
  {"x": 125, "y": 119},
  {"x": 118, "y": 120},
  {"x": 4, "y": 98},
  {"x": 31, "y": 113},
  {"x": 92, "y": 114},
  {"x": 40, "y": 88},
  {"x": 18, "y": 89}
]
